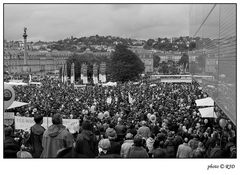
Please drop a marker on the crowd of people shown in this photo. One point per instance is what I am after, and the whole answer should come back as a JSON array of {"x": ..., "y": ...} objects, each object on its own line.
[{"x": 130, "y": 120}]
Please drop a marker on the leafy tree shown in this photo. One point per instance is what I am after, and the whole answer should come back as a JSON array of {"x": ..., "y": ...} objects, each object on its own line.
[
  {"x": 125, "y": 65},
  {"x": 156, "y": 60},
  {"x": 150, "y": 42}
]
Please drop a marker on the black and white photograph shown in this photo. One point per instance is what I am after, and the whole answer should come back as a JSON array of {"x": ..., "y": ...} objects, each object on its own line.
[{"x": 120, "y": 81}]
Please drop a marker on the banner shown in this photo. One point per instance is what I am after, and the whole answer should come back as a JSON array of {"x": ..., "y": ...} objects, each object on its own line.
[
  {"x": 25, "y": 123},
  {"x": 72, "y": 73},
  {"x": 205, "y": 102},
  {"x": 207, "y": 112},
  {"x": 102, "y": 72},
  {"x": 84, "y": 73},
  {"x": 130, "y": 99}
]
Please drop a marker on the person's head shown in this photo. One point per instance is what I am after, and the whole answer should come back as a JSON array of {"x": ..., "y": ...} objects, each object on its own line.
[
  {"x": 38, "y": 119},
  {"x": 8, "y": 131},
  {"x": 112, "y": 134},
  {"x": 185, "y": 140},
  {"x": 87, "y": 125},
  {"x": 57, "y": 119},
  {"x": 129, "y": 136},
  {"x": 104, "y": 144},
  {"x": 138, "y": 140}
]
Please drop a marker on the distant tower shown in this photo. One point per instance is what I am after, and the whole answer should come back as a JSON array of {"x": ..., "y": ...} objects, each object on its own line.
[{"x": 25, "y": 45}]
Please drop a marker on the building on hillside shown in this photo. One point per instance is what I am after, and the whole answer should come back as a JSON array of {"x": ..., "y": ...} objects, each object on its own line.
[
  {"x": 166, "y": 56},
  {"x": 38, "y": 62},
  {"x": 146, "y": 56}
]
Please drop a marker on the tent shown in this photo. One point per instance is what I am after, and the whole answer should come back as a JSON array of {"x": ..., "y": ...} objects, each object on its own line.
[
  {"x": 16, "y": 104},
  {"x": 205, "y": 102},
  {"x": 207, "y": 112},
  {"x": 110, "y": 84},
  {"x": 16, "y": 83}
]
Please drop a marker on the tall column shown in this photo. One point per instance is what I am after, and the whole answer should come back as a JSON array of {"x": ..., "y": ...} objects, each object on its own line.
[{"x": 25, "y": 45}]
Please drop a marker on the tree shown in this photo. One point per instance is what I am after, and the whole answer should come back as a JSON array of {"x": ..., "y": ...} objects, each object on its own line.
[
  {"x": 156, "y": 60},
  {"x": 125, "y": 65}
]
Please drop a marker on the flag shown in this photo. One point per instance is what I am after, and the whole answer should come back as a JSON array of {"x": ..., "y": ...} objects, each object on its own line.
[
  {"x": 109, "y": 100},
  {"x": 65, "y": 74},
  {"x": 72, "y": 73},
  {"x": 30, "y": 78},
  {"x": 130, "y": 99},
  {"x": 62, "y": 73}
]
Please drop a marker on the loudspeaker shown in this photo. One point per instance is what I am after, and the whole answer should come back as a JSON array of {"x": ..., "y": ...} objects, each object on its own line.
[{"x": 8, "y": 95}]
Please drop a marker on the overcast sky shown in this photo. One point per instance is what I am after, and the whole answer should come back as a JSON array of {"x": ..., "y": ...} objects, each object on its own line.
[{"x": 48, "y": 22}]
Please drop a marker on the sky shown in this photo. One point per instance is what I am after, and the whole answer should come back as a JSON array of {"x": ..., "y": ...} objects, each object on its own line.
[{"x": 52, "y": 22}]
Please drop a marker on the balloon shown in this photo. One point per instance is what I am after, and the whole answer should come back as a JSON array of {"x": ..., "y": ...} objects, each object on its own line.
[
  {"x": 106, "y": 114},
  {"x": 153, "y": 118},
  {"x": 229, "y": 126},
  {"x": 100, "y": 115},
  {"x": 222, "y": 123},
  {"x": 206, "y": 121},
  {"x": 148, "y": 116}
]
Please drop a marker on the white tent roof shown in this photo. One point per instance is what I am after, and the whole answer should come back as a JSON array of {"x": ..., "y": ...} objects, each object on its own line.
[
  {"x": 110, "y": 84},
  {"x": 205, "y": 102},
  {"x": 16, "y": 83},
  {"x": 207, "y": 112},
  {"x": 16, "y": 104}
]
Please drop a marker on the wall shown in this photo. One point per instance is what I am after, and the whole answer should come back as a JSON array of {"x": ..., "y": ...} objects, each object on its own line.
[{"x": 215, "y": 27}]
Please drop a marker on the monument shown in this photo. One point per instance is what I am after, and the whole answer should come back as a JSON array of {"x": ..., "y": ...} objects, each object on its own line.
[{"x": 25, "y": 65}]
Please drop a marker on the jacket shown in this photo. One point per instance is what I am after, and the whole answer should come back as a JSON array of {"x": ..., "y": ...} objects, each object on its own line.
[
  {"x": 36, "y": 140},
  {"x": 125, "y": 147},
  {"x": 184, "y": 151},
  {"x": 137, "y": 152},
  {"x": 144, "y": 131},
  {"x": 55, "y": 138},
  {"x": 10, "y": 148},
  {"x": 87, "y": 144}
]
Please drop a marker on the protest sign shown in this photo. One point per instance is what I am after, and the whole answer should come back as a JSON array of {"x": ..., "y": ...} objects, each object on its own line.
[{"x": 26, "y": 122}]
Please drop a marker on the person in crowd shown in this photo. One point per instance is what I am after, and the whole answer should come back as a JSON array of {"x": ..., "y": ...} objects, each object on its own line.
[
  {"x": 115, "y": 143},
  {"x": 55, "y": 138},
  {"x": 149, "y": 143},
  {"x": 120, "y": 129},
  {"x": 199, "y": 152},
  {"x": 11, "y": 147},
  {"x": 87, "y": 144},
  {"x": 126, "y": 145},
  {"x": 36, "y": 136},
  {"x": 170, "y": 145},
  {"x": 217, "y": 151},
  {"x": 158, "y": 150},
  {"x": 184, "y": 150},
  {"x": 144, "y": 130},
  {"x": 104, "y": 146},
  {"x": 137, "y": 150}
]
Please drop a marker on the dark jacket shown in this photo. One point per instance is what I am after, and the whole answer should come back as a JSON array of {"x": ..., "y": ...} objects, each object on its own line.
[
  {"x": 120, "y": 130},
  {"x": 108, "y": 155},
  {"x": 86, "y": 144},
  {"x": 55, "y": 138},
  {"x": 159, "y": 153},
  {"x": 115, "y": 147},
  {"x": 36, "y": 140},
  {"x": 170, "y": 146},
  {"x": 10, "y": 148},
  {"x": 137, "y": 152}
]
